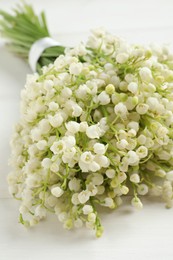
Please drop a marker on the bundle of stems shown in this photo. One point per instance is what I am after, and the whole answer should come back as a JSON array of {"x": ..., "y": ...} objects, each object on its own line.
[{"x": 24, "y": 27}]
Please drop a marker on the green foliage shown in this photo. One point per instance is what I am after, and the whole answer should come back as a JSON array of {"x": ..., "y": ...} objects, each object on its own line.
[{"x": 22, "y": 29}]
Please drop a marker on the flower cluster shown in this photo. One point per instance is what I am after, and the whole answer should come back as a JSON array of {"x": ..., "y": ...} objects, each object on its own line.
[{"x": 96, "y": 125}]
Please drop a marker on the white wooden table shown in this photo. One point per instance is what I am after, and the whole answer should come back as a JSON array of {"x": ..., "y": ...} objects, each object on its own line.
[{"x": 129, "y": 234}]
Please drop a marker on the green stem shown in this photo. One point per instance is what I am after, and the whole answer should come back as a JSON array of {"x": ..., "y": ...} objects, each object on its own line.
[{"x": 22, "y": 28}]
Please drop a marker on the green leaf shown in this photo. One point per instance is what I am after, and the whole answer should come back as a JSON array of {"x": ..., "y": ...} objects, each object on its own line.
[{"x": 22, "y": 28}]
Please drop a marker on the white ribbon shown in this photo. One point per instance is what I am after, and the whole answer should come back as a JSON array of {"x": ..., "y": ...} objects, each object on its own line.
[{"x": 38, "y": 48}]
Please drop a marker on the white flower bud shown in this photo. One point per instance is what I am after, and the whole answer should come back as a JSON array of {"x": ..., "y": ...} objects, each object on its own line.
[
  {"x": 161, "y": 173},
  {"x": 72, "y": 127},
  {"x": 108, "y": 66},
  {"x": 56, "y": 120},
  {"x": 121, "y": 177},
  {"x": 121, "y": 110},
  {"x": 102, "y": 160},
  {"x": 150, "y": 87},
  {"x": 46, "y": 163},
  {"x": 137, "y": 203},
  {"x": 135, "y": 178},
  {"x": 142, "y": 108},
  {"x": 91, "y": 187},
  {"x": 133, "y": 87},
  {"x": 133, "y": 125},
  {"x": 142, "y": 189},
  {"x": 77, "y": 110},
  {"x": 57, "y": 191},
  {"x": 141, "y": 139},
  {"x": 40, "y": 211},
  {"x": 66, "y": 92},
  {"x": 74, "y": 184},
  {"x": 94, "y": 167},
  {"x": 131, "y": 102},
  {"x": 124, "y": 189},
  {"x": 48, "y": 84},
  {"x": 75, "y": 68},
  {"x": 92, "y": 217},
  {"x": 44, "y": 126},
  {"x": 87, "y": 209},
  {"x": 83, "y": 126},
  {"x": 142, "y": 151},
  {"x": 74, "y": 199},
  {"x": 108, "y": 202},
  {"x": 36, "y": 134},
  {"x": 53, "y": 106},
  {"x": 153, "y": 103},
  {"x": 145, "y": 74},
  {"x": 110, "y": 173},
  {"x": 41, "y": 145},
  {"x": 93, "y": 131},
  {"x": 83, "y": 196},
  {"x": 115, "y": 81},
  {"x": 122, "y": 144},
  {"x": 99, "y": 148},
  {"x": 132, "y": 133},
  {"x": 122, "y": 58},
  {"x": 51, "y": 201},
  {"x": 70, "y": 141},
  {"x": 149, "y": 142},
  {"x": 129, "y": 77},
  {"x": 133, "y": 158},
  {"x": 110, "y": 89},
  {"x": 103, "y": 98}
]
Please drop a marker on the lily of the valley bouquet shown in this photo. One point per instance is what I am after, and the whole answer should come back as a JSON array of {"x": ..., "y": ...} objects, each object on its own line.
[{"x": 96, "y": 125}]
